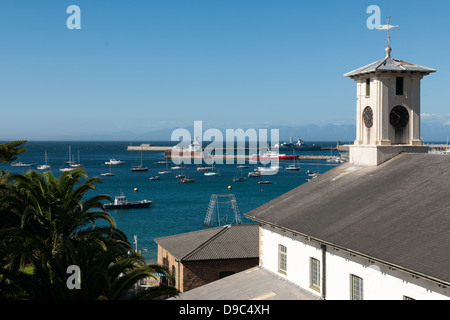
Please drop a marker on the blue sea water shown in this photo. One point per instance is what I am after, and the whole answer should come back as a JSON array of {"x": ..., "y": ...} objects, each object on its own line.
[{"x": 177, "y": 207}]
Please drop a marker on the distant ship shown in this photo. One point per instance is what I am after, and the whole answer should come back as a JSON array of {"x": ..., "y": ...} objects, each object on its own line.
[
  {"x": 273, "y": 155},
  {"x": 21, "y": 164},
  {"x": 299, "y": 145}
]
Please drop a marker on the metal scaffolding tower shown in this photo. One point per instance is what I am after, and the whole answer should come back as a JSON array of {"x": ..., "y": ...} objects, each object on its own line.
[{"x": 218, "y": 202}]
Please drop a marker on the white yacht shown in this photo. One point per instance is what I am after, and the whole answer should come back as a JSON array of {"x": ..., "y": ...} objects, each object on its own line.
[{"x": 114, "y": 162}]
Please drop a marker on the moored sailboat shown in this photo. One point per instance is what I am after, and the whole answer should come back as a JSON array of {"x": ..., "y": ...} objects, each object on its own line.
[
  {"x": 45, "y": 166},
  {"x": 139, "y": 168}
]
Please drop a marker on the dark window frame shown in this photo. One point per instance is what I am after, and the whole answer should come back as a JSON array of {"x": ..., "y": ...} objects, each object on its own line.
[{"x": 399, "y": 86}]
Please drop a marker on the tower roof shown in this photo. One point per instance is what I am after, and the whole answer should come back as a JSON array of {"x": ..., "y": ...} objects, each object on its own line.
[{"x": 389, "y": 64}]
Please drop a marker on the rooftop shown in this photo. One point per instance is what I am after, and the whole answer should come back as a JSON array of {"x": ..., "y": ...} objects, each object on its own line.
[
  {"x": 397, "y": 213},
  {"x": 239, "y": 241},
  {"x": 389, "y": 64},
  {"x": 253, "y": 284}
]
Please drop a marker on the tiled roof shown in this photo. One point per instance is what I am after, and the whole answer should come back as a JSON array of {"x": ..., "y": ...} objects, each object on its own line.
[{"x": 227, "y": 242}]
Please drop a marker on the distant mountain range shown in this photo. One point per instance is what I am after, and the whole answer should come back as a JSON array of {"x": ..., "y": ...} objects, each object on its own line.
[
  {"x": 307, "y": 133},
  {"x": 311, "y": 132},
  {"x": 314, "y": 132}
]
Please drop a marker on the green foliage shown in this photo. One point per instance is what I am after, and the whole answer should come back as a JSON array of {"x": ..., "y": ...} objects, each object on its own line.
[
  {"x": 10, "y": 150},
  {"x": 47, "y": 224}
]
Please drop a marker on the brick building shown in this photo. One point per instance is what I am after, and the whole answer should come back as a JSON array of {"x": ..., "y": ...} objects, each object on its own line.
[{"x": 200, "y": 257}]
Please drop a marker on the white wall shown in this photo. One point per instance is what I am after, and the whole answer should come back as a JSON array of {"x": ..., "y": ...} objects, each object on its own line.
[
  {"x": 298, "y": 256},
  {"x": 380, "y": 282}
]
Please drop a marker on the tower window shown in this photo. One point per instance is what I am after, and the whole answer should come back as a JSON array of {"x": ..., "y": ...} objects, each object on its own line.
[
  {"x": 368, "y": 87},
  {"x": 399, "y": 86}
]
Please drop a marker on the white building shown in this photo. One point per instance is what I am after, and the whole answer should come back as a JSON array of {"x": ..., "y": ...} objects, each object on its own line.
[{"x": 378, "y": 226}]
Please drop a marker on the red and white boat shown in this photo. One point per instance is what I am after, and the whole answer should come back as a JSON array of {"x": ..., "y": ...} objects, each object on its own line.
[{"x": 272, "y": 155}]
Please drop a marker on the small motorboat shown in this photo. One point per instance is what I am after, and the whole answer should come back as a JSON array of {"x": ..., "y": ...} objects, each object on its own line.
[
  {"x": 186, "y": 180},
  {"x": 211, "y": 173},
  {"x": 162, "y": 162},
  {"x": 165, "y": 172},
  {"x": 121, "y": 202},
  {"x": 264, "y": 182},
  {"x": 204, "y": 168},
  {"x": 254, "y": 173},
  {"x": 155, "y": 178},
  {"x": 139, "y": 169},
  {"x": 114, "y": 162},
  {"x": 107, "y": 174}
]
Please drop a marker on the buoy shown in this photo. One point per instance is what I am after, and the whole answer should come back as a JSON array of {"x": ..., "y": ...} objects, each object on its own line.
[
  {"x": 135, "y": 189},
  {"x": 229, "y": 187}
]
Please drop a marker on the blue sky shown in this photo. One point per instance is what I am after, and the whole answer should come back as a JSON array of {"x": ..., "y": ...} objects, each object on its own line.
[{"x": 143, "y": 65}]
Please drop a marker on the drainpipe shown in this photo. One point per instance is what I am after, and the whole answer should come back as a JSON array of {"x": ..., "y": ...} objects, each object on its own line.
[{"x": 324, "y": 271}]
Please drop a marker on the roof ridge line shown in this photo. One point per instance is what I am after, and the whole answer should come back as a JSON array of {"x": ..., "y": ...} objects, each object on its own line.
[{"x": 222, "y": 230}]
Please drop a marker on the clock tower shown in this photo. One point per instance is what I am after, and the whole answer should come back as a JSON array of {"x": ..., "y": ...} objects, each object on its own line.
[{"x": 387, "y": 109}]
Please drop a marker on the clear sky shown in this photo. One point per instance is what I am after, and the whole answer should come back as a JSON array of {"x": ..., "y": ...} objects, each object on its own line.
[{"x": 144, "y": 65}]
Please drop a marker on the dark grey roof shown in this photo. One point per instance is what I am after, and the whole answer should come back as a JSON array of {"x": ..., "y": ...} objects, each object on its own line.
[
  {"x": 227, "y": 242},
  {"x": 398, "y": 212},
  {"x": 389, "y": 64}
]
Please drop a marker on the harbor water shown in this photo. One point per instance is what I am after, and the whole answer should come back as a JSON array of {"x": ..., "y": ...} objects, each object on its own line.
[{"x": 177, "y": 207}]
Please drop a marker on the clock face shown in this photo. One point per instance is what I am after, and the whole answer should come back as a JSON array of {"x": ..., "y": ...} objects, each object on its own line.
[
  {"x": 368, "y": 117},
  {"x": 399, "y": 117}
]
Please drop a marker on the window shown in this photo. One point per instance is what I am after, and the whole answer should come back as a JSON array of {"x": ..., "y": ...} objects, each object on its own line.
[
  {"x": 399, "y": 86},
  {"x": 368, "y": 87},
  {"x": 315, "y": 273},
  {"x": 282, "y": 259},
  {"x": 165, "y": 262},
  {"x": 356, "y": 284}
]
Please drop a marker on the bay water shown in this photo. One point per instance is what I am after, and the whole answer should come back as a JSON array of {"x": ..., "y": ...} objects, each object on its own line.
[{"x": 177, "y": 207}]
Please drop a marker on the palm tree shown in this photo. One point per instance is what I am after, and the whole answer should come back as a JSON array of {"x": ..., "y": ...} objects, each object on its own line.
[
  {"x": 106, "y": 274},
  {"x": 48, "y": 225}
]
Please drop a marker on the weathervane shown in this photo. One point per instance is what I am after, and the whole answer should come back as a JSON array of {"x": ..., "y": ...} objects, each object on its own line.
[{"x": 387, "y": 27}]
